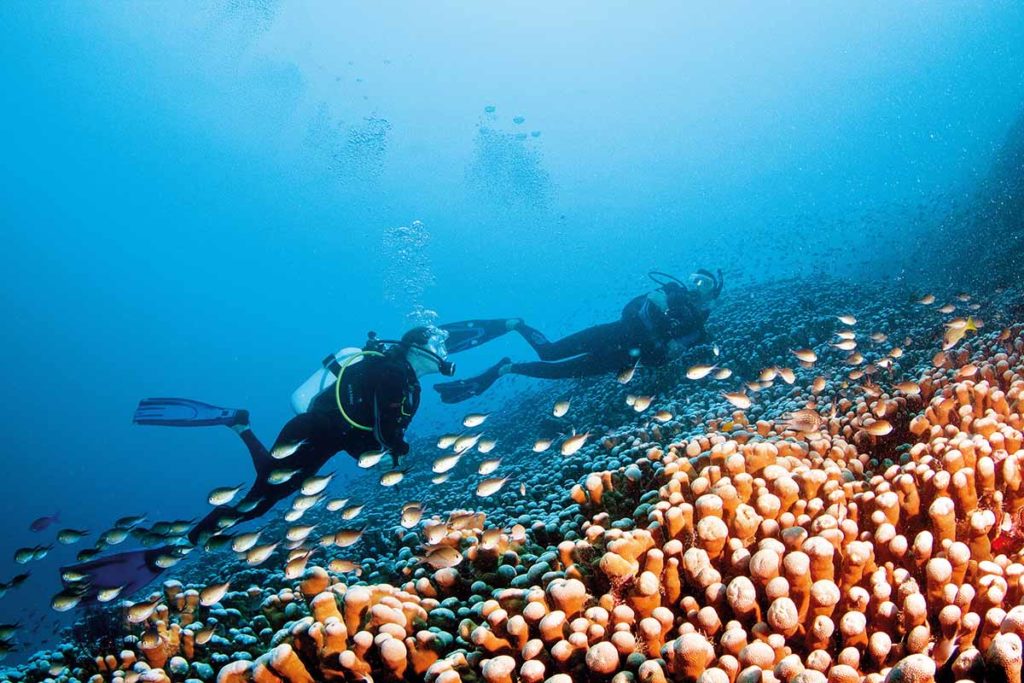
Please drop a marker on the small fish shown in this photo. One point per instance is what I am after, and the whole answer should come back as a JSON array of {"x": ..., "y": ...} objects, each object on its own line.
[
  {"x": 573, "y": 444},
  {"x": 335, "y": 504},
  {"x": 316, "y": 484},
  {"x": 909, "y": 388},
  {"x": 541, "y": 445},
  {"x": 465, "y": 442},
  {"x": 7, "y": 631},
  {"x": 69, "y": 536},
  {"x": 113, "y": 536},
  {"x": 87, "y": 554},
  {"x": 723, "y": 373},
  {"x": 927, "y": 300},
  {"x": 352, "y": 511},
  {"x": 247, "y": 505},
  {"x": 737, "y": 398},
  {"x": 947, "y": 308},
  {"x": 440, "y": 479},
  {"x": 140, "y": 611},
  {"x": 697, "y": 372},
  {"x": 818, "y": 385},
  {"x": 445, "y": 463},
  {"x": 855, "y": 358},
  {"x": 108, "y": 594},
  {"x": 286, "y": 450},
  {"x": 299, "y": 532},
  {"x": 787, "y": 375},
  {"x": 43, "y": 523},
  {"x": 805, "y": 355},
  {"x": 715, "y": 350},
  {"x": 434, "y": 533},
  {"x": 258, "y": 554},
  {"x": 370, "y": 458},
  {"x": 213, "y": 594},
  {"x": 446, "y": 440},
  {"x": 847, "y": 319},
  {"x": 805, "y": 421},
  {"x": 278, "y": 477},
  {"x": 296, "y": 566},
  {"x": 244, "y": 542},
  {"x": 411, "y": 517},
  {"x": 72, "y": 575},
  {"x": 855, "y": 374},
  {"x": 293, "y": 515},
  {"x": 879, "y": 337},
  {"x": 879, "y": 428},
  {"x": 846, "y": 334},
  {"x": 486, "y": 445},
  {"x": 489, "y": 487},
  {"x": 474, "y": 420},
  {"x": 560, "y": 409},
  {"x": 302, "y": 502},
  {"x": 224, "y": 494},
  {"x": 522, "y": 489},
  {"x": 663, "y": 416},
  {"x": 64, "y": 601},
  {"x": 846, "y": 345},
  {"x": 625, "y": 375},
  {"x": 896, "y": 352},
  {"x": 166, "y": 561},
  {"x": 443, "y": 557},
  {"x": 642, "y": 403},
  {"x": 768, "y": 374},
  {"x": 129, "y": 522},
  {"x": 488, "y": 466},
  {"x": 967, "y": 371},
  {"x": 341, "y": 566},
  {"x": 203, "y": 635},
  {"x": 347, "y": 537},
  {"x": 393, "y": 477}
]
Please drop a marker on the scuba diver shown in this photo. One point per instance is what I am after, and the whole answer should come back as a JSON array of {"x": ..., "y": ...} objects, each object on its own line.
[
  {"x": 654, "y": 328},
  {"x": 360, "y": 400}
]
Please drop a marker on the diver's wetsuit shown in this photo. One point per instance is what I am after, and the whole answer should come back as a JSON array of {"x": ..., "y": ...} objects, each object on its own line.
[
  {"x": 379, "y": 393},
  {"x": 640, "y": 335},
  {"x": 645, "y": 333}
]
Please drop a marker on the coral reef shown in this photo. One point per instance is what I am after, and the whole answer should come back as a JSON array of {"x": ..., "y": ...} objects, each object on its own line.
[{"x": 884, "y": 544}]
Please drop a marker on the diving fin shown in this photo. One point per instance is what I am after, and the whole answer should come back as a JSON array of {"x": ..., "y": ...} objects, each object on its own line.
[
  {"x": 126, "y": 573},
  {"x": 465, "y": 389},
  {"x": 183, "y": 412},
  {"x": 468, "y": 334}
]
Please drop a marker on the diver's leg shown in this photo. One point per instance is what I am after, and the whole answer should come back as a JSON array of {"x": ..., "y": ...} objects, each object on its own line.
[
  {"x": 257, "y": 451},
  {"x": 300, "y": 435},
  {"x": 592, "y": 340},
  {"x": 582, "y": 365}
]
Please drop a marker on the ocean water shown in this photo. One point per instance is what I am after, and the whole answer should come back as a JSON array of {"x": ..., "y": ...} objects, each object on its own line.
[{"x": 204, "y": 199}]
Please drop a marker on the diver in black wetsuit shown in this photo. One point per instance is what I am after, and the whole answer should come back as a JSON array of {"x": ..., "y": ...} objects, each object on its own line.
[
  {"x": 379, "y": 394},
  {"x": 653, "y": 328},
  {"x": 366, "y": 405}
]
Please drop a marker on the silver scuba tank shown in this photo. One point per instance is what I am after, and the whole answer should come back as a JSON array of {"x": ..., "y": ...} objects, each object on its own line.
[{"x": 324, "y": 378}]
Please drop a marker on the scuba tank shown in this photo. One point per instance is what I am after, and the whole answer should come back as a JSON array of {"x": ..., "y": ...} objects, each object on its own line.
[{"x": 324, "y": 378}]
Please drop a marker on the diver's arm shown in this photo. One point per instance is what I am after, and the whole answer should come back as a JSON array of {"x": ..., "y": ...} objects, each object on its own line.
[{"x": 389, "y": 418}]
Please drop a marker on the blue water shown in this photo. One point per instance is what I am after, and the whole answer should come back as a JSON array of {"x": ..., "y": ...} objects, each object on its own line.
[{"x": 204, "y": 200}]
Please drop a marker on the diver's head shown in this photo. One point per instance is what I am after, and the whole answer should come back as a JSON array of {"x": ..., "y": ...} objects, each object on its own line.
[
  {"x": 706, "y": 285},
  {"x": 425, "y": 350}
]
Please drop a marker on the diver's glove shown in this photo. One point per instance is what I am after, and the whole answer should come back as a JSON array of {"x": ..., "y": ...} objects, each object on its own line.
[{"x": 397, "y": 451}]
